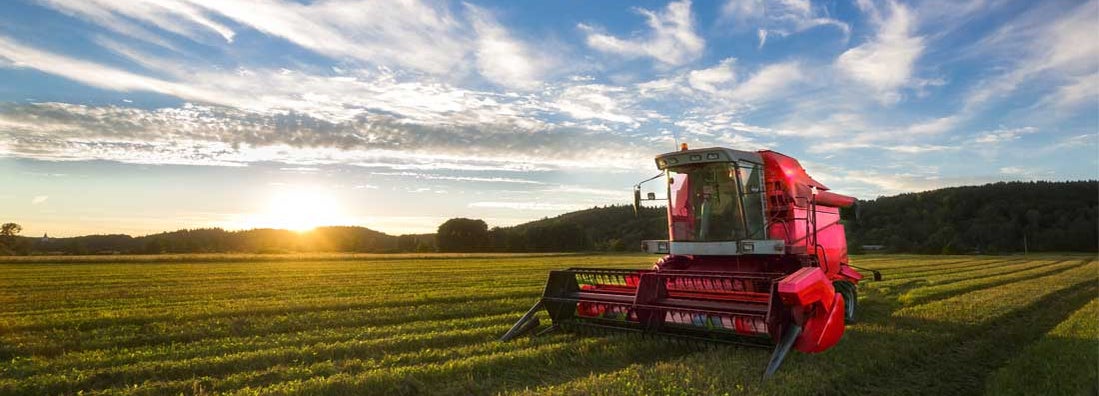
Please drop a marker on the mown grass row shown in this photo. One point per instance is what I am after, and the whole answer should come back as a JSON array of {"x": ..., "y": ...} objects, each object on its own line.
[
  {"x": 1041, "y": 367},
  {"x": 383, "y": 325}
]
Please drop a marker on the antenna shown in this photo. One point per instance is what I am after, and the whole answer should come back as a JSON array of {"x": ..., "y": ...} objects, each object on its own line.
[{"x": 675, "y": 134}]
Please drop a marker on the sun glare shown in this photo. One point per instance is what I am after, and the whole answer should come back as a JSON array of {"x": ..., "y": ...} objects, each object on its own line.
[{"x": 299, "y": 210}]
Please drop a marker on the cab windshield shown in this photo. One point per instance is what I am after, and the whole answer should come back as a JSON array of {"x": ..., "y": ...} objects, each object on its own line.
[{"x": 715, "y": 202}]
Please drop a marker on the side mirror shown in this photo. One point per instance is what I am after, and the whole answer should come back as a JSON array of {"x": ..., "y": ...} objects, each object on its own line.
[{"x": 637, "y": 201}]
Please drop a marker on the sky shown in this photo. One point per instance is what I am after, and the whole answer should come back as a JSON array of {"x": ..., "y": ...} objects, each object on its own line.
[{"x": 142, "y": 116}]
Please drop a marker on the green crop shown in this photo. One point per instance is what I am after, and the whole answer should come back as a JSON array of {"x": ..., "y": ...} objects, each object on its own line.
[{"x": 428, "y": 324}]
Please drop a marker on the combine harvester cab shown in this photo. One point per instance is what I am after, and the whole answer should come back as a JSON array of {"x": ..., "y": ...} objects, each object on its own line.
[{"x": 756, "y": 255}]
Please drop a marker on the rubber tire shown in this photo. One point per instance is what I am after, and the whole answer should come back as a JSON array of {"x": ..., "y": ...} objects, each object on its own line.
[{"x": 850, "y": 298}]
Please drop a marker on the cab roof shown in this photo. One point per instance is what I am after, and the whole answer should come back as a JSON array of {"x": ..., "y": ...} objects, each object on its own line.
[{"x": 706, "y": 155}]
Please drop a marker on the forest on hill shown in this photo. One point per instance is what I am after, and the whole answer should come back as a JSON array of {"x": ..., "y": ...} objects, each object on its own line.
[
  {"x": 216, "y": 240},
  {"x": 994, "y": 218}
]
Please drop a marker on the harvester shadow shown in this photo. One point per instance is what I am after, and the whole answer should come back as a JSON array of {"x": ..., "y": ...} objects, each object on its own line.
[
  {"x": 964, "y": 276},
  {"x": 930, "y": 267},
  {"x": 239, "y": 324},
  {"x": 921, "y": 356},
  {"x": 90, "y": 324},
  {"x": 1031, "y": 377},
  {"x": 594, "y": 355},
  {"x": 900, "y": 269},
  {"x": 932, "y": 271},
  {"x": 988, "y": 285}
]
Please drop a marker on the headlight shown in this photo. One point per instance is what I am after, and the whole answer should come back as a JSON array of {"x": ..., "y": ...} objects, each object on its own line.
[{"x": 747, "y": 247}]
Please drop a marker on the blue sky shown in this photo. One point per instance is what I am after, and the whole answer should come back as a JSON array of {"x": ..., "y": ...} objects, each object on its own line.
[{"x": 148, "y": 115}]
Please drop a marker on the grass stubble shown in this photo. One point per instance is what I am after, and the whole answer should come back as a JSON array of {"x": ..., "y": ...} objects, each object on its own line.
[{"x": 427, "y": 324}]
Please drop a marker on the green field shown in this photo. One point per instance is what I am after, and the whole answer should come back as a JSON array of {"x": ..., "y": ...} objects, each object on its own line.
[{"x": 428, "y": 325}]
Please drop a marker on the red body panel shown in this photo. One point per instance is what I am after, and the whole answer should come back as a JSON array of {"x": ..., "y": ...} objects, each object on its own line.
[
  {"x": 790, "y": 211},
  {"x": 806, "y": 287},
  {"x": 816, "y": 306}
]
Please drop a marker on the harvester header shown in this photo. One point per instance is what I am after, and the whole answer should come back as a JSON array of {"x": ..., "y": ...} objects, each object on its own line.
[{"x": 755, "y": 254}]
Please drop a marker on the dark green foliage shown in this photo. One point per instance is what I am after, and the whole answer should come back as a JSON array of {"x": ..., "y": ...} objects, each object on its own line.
[
  {"x": 462, "y": 235},
  {"x": 9, "y": 242},
  {"x": 993, "y": 218},
  {"x": 609, "y": 228},
  {"x": 216, "y": 240}
]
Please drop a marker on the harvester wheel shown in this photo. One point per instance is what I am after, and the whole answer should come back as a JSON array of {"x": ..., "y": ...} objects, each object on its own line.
[{"x": 850, "y": 299}]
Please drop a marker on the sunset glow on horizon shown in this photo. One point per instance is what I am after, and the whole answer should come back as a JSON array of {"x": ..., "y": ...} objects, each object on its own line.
[{"x": 296, "y": 210}]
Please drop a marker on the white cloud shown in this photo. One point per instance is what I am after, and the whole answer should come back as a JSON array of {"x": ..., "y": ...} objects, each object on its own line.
[
  {"x": 852, "y": 130},
  {"x": 1062, "y": 53},
  {"x": 917, "y": 148},
  {"x": 1078, "y": 91},
  {"x": 886, "y": 62},
  {"x": 709, "y": 80},
  {"x": 557, "y": 207},
  {"x": 133, "y": 16},
  {"x": 718, "y": 85},
  {"x": 933, "y": 127},
  {"x": 406, "y": 33},
  {"x": 778, "y": 17},
  {"x": 39, "y": 199},
  {"x": 428, "y": 176},
  {"x": 1026, "y": 173},
  {"x": 412, "y": 35},
  {"x": 336, "y": 98},
  {"x": 1003, "y": 135},
  {"x": 1013, "y": 170},
  {"x": 223, "y": 136},
  {"x": 768, "y": 82},
  {"x": 595, "y": 101},
  {"x": 743, "y": 10},
  {"x": 93, "y": 74},
  {"x": 587, "y": 191},
  {"x": 672, "y": 40},
  {"x": 500, "y": 58}
]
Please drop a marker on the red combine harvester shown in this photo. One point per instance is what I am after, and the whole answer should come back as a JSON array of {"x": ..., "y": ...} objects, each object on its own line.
[{"x": 756, "y": 255}]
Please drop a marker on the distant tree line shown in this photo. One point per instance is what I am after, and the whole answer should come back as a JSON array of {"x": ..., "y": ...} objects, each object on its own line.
[
  {"x": 216, "y": 240},
  {"x": 608, "y": 228},
  {"x": 993, "y": 218}
]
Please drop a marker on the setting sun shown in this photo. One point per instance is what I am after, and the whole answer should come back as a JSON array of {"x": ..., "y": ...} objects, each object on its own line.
[{"x": 298, "y": 210}]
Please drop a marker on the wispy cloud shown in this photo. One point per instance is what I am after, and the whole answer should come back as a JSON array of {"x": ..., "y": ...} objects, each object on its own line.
[
  {"x": 39, "y": 199},
  {"x": 672, "y": 39},
  {"x": 768, "y": 82},
  {"x": 93, "y": 74},
  {"x": 418, "y": 35},
  {"x": 431, "y": 37},
  {"x": 1003, "y": 135},
  {"x": 132, "y": 18},
  {"x": 428, "y": 176},
  {"x": 210, "y": 135},
  {"x": 554, "y": 207},
  {"x": 779, "y": 18},
  {"x": 501, "y": 58},
  {"x": 1063, "y": 52},
  {"x": 885, "y": 62}
]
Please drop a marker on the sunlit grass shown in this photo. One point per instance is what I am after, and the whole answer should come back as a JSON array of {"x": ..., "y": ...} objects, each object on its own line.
[{"x": 427, "y": 324}]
